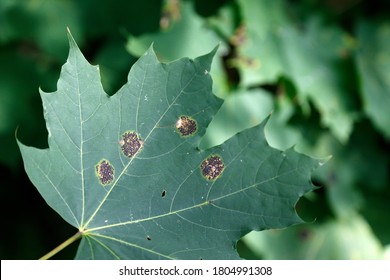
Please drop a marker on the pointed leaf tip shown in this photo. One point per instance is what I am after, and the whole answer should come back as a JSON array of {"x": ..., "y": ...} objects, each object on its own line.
[
  {"x": 206, "y": 59},
  {"x": 72, "y": 41},
  {"x": 322, "y": 161},
  {"x": 69, "y": 33},
  {"x": 214, "y": 50}
]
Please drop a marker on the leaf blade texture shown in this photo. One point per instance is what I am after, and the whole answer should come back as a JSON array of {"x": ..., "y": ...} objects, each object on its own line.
[
  {"x": 270, "y": 47},
  {"x": 127, "y": 172},
  {"x": 373, "y": 65}
]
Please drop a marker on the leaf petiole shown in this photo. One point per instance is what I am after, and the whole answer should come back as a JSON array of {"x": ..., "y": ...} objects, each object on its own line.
[{"x": 62, "y": 246}]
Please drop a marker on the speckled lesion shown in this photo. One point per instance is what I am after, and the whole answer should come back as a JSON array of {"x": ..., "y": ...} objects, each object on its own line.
[
  {"x": 212, "y": 167},
  {"x": 105, "y": 172},
  {"x": 130, "y": 143},
  {"x": 186, "y": 126}
]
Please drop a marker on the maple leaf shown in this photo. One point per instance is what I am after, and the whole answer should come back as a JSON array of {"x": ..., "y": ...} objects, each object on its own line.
[{"x": 126, "y": 170}]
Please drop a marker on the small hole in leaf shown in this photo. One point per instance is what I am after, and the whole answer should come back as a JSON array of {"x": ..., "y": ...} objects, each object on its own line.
[
  {"x": 148, "y": 238},
  {"x": 212, "y": 167},
  {"x": 164, "y": 193},
  {"x": 186, "y": 126},
  {"x": 130, "y": 143},
  {"x": 105, "y": 172}
]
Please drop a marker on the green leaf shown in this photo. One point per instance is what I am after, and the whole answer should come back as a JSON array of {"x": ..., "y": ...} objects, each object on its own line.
[
  {"x": 127, "y": 172},
  {"x": 271, "y": 46},
  {"x": 28, "y": 22},
  {"x": 241, "y": 110},
  {"x": 339, "y": 239},
  {"x": 186, "y": 34},
  {"x": 373, "y": 60}
]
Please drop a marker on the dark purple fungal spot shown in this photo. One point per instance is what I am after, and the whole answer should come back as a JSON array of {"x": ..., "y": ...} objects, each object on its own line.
[
  {"x": 186, "y": 126},
  {"x": 212, "y": 167},
  {"x": 130, "y": 143},
  {"x": 105, "y": 172}
]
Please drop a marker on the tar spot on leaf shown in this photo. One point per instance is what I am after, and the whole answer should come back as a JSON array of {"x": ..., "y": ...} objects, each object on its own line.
[
  {"x": 130, "y": 143},
  {"x": 105, "y": 172},
  {"x": 164, "y": 193},
  {"x": 212, "y": 167},
  {"x": 186, "y": 126}
]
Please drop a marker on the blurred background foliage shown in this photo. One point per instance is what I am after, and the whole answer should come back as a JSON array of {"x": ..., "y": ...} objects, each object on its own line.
[{"x": 322, "y": 68}]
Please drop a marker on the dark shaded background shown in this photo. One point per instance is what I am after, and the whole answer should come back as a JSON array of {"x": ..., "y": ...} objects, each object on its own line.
[{"x": 33, "y": 46}]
